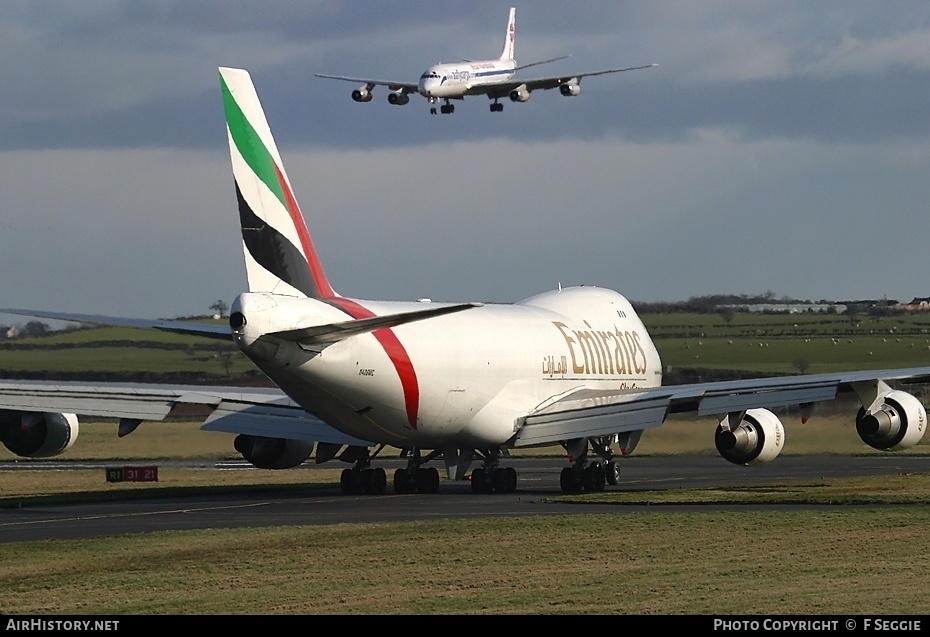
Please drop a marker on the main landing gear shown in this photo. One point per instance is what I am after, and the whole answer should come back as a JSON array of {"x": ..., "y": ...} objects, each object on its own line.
[
  {"x": 445, "y": 109},
  {"x": 362, "y": 477},
  {"x": 497, "y": 107},
  {"x": 586, "y": 475},
  {"x": 490, "y": 477},
  {"x": 416, "y": 478}
]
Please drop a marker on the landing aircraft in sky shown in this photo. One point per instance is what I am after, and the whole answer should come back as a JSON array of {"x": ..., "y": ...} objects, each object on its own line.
[
  {"x": 495, "y": 78},
  {"x": 460, "y": 383}
]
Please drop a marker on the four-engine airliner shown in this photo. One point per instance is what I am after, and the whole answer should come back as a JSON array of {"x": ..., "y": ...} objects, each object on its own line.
[
  {"x": 495, "y": 78},
  {"x": 460, "y": 383}
]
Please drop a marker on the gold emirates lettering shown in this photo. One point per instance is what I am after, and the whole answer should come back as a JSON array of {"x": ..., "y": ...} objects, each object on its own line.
[{"x": 604, "y": 353}]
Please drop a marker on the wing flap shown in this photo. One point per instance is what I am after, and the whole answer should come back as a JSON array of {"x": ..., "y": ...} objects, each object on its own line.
[
  {"x": 714, "y": 405},
  {"x": 274, "y": 421},
  {"x": 584, "y": 418},
  {"x": 128, "y": 401}
]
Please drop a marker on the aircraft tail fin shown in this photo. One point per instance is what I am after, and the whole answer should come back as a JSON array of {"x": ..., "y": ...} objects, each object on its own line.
[
  {"x": 279, "y": 253},
  {"x": 507, "y": 53}
]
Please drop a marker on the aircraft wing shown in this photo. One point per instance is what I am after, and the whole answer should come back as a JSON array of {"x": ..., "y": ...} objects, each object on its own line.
[
  {"x": 254, "y": 411},
  {"x": 407, "y": 87},
  {"x": 590, "y": 413},
  {"x": 501, "y": 89},
  {"x": 207, "y": 330}
]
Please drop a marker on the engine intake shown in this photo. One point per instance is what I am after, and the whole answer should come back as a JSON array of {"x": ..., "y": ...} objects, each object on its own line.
[
  {"x": 898, "y": 423},
  {"x": 361, "y": 95},
  {"x": 37, "y": 434},
  {"x": 758, "y": 438},
  {"x": 520, "y": 94},
  {"x": 273, "y": 453},
  {"x": 398, "y": 98},
  {"x": 569, "y": 90}
]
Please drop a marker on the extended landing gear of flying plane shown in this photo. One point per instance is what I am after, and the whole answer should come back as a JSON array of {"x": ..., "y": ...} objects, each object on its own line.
[
  {"x": 497, "y": 107},
  {"x": 589, "y": 476},
  {"x": 489, "y": 477},
  {"x": 445, "y": 109}
]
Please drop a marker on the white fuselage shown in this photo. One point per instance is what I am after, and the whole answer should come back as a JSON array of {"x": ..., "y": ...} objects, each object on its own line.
[
  {"x": 457, "y": 380},
  {"x": 452, "y": 81}
]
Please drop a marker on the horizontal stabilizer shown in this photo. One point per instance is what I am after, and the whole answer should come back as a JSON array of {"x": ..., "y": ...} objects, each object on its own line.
[
  {"x": 333, "y": 332},
  {"x": 207, "y": 330}
]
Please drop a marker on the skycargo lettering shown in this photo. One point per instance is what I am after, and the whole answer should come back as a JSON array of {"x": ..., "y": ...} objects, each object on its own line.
[{"x": 611, "y": 353}]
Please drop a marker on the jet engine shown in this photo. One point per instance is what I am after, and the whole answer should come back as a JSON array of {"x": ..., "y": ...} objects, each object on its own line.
[
  {"x": 570, "y": 90},
  {"x": 898, "y": 423},
  {"x": 398, "y": 98},
  {"x": 273, "y": 453},
  {"x": 520, "y": 94},
  {"x": 37, "y": 434},
  {"x": 759, "y": 437},
  {"x": 362, "y": 94}
]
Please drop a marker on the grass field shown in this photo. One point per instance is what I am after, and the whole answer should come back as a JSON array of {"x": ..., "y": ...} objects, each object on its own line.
[
  {"x": 849, "y": 561},
  {"x": 765, "y": 344}
]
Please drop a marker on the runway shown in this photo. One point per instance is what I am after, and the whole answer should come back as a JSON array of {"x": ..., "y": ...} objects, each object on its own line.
[{"x": 538, "y": 481}]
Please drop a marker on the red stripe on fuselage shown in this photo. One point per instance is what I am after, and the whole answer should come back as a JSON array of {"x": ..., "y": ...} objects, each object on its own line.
[
  {"x": 313, "y": 261},
  {"x": 395, "y": 351}
]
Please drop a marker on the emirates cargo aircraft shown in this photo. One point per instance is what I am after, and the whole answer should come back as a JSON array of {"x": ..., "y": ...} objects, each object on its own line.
[
  {"x": 495, "y": 78},
  {"x": 458, "y": 383}
]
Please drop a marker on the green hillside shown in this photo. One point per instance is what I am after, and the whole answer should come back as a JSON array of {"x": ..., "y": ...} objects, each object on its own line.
[{"x": 692, "y": 346}]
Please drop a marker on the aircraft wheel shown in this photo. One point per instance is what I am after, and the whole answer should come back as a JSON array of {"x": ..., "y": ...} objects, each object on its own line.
[
  {"x": 478, "y": 484},
  {"x": 500, "y": 481},
  {"x": 348, "y": 481},
  {"x": 569, "y": 481},
  {"x": 401, "y": 482},
  {"x": 428, "y": 480},
  {"x": 374, "y": 481},
  {"x": 613, "y": 473},
  {"x": 594, "y": 478},
  {"x": 505, "y": 480}
]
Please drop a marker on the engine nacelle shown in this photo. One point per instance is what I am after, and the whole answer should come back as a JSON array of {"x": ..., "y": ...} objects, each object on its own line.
[
  {"x": 272, "y": 453},
  {"x": 362, "y": 94},
  {"x": 520, "y": 94},
  {"x": 758, "y": 438},
  {"x": 569, "y": 90},
  {"x": 398, "y": 98},
  {"x": 37, "y": 434},
  {"x": 898, "y": 423}
]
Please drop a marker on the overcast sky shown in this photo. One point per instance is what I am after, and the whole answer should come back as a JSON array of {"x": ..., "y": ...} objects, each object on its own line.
[{"x": 780, "y": 146}]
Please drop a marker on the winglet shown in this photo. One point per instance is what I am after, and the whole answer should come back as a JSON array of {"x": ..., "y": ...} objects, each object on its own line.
[
  {"x": 279, "y": 253},
  {"x": 507, "y": 53}
]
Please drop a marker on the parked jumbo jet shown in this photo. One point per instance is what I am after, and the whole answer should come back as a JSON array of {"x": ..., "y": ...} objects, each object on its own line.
[
  {"x": 461, "y": 383},
  {"x": 494, "y": 78}
]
